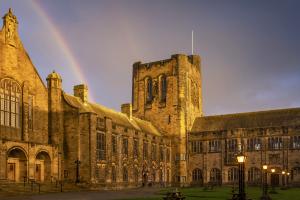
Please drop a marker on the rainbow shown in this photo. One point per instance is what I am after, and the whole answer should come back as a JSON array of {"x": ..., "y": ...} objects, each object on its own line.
[{"x": 62, "y": 43}]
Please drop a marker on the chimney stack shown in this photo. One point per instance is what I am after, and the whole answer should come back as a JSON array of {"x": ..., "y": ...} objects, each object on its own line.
[
  {"x": 126, "y": 108},
  {"x": 81, "y": 91}
]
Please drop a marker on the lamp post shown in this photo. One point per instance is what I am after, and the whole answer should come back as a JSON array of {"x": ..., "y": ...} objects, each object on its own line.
[
  {"x": 283, "y": 179},
  {"x": 77, "y": 162},
  {"x": 287, "y": 179},
  {"x": 265, "y": 195},
  {"x": 241, "y": 163},
  {"x": 272, "y": 181}
]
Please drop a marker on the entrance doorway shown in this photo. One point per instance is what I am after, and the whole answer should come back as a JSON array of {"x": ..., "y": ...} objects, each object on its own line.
[
  {"x": 43, "y": 167},
  {"x": 16, "y": 165}
]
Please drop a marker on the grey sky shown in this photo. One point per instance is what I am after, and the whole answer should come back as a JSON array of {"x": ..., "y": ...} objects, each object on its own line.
[{"x": 250, "y": 49}]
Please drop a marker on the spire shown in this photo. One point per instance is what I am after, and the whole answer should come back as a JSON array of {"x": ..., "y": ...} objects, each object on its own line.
[{"x": 10, "y": 26}]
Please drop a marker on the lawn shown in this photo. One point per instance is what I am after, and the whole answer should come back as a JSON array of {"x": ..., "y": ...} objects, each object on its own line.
[{"x": 224, "y": 193}]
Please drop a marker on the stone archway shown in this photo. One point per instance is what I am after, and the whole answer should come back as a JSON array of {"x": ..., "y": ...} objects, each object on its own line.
[
  {"x": 16, "y": 165},
  {"x": 42, "y": 171}
]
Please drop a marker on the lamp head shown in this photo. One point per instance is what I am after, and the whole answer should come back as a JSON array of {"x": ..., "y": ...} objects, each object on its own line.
[
  {"x": 241, "y": 158},
  {"x": 283, "y": 172},
  {"x": 273, "y": 170},
  {"x": 265, "y": 167}
]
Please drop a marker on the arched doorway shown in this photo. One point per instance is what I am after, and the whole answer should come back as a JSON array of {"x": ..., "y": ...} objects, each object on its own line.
[
  {"x": 16, "y": 165},
  {"x": 197, "y": 177},
  {"x": 42, "y": 167}
]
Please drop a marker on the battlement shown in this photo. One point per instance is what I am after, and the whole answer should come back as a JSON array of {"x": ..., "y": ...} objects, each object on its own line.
[{"x": 195, "y": 60}]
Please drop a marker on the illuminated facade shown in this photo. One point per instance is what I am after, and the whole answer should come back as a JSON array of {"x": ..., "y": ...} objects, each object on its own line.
[{"x": 160, "y": 138}]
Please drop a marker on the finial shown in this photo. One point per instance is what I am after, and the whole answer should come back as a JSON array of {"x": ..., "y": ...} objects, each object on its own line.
[
  {"x": 53, "y": 71},
  {"x": 10, "y": 10}
]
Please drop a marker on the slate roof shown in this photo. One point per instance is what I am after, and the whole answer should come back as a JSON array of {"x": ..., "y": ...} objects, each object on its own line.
[
  {"x": 117, "y": 117},
  {"x": 260, "y": 119}
]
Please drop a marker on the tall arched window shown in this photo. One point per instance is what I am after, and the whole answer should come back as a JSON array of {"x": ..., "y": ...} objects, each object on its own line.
[
  {"x": 197, "y": 175},
  {"x": 215, "y": 175},
  {"x": 125, "y": 174},
  {"x": 149, "y": 92},
  {"x": 10, "y": 95},
  {"x": 113, "y": 174},
  {"x": 254, "y": 175},
  {"x": 233, "y": 175},
  {"x": 163, "y": 88}
]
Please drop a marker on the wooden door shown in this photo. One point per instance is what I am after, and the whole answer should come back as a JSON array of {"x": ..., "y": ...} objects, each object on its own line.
[
  {"x": 11, "y": 171},
  {"x": 38, "y": 172}
]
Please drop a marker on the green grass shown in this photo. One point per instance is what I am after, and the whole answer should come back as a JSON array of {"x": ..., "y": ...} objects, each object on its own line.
[{"x": 223, "y": 193}]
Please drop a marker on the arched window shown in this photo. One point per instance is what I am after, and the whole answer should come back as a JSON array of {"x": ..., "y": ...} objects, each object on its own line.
[
  {"x": 113, "y": 174},
  {"x": 197, "y": 175},
  {"x": 254, "y": 175},
  {"x": 233, "y": 175},
  {"x": 215, "y": 175},
  {"x": 163, "y": 88},
  {"x": 10, "y": 97},
  {"x": 149, "y": 92},
  {"x": 125, "y": 174}
]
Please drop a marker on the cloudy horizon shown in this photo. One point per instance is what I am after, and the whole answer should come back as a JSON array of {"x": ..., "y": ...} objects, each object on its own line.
[{"x": 249, "y": 49}]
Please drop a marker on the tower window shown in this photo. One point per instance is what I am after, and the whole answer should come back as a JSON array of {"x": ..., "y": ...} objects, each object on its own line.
[
  {"x": 163, "y": 88},
  {"x": 149, "y": 95}
]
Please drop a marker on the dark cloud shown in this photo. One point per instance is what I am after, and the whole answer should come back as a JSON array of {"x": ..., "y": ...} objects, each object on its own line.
[{"x": 250, "y": 49}]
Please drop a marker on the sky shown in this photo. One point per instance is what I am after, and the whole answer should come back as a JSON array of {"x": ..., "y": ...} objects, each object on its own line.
[{"x": 250, "y": 50}]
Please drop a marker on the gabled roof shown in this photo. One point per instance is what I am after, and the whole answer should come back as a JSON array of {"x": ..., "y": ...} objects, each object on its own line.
[
  {"x": 269, "y": 118},
  {"x": 117, "y": 117}
]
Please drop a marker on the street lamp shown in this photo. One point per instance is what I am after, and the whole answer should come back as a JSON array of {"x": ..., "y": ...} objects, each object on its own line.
[
  {"x": 287, "y": 179},
  {"x": 272, "y": 181},
  {"x": 265, "y": 195},
  {"x": 283, "y": 179},
  {"x": 241, "y": 163}
]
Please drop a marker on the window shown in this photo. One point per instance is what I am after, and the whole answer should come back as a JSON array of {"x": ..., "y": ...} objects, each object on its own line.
[
  {"x": 125, "y": 174},
  {"x": 275, "y": 143},
  {"x": 295, "y": 142},
  {"x": 163, "y": 88},
  {"x": 125, "y": 130},
  {"x": 153, "y": 151},
  {"x": 136, "y": 175},
  {"x": 30, "y": 112},
  {"x": 231, "y": 145},
  {"x": 254, "y": 175},
  {"x": 196, "y": 147},
  {"x": 10, "y": 95},
  {"x": 214, "y": 146},
  {"x": 274, "y": 158},
  {"x": 125, "y": 146},
  {"x": 161, "y": 154},
  {"x": 135, "y": 148},
  {"x": 101, "y": 147},
  {"x": 149, "y": 93},
  {"x": 197, "y": 175},
  {"x": 114, "y": 126},
  {"x": 100, "y": 122},
  {"x": 233, "y": 174},
  {"x": 168, "y": 154},
  {"x": 113, "y": 174},
  {"x": 254, "y": 144},
  {"x": 145, "y": 150},
  {"x": 114, "y": 144},
  {"x": 215, "y": 175}
]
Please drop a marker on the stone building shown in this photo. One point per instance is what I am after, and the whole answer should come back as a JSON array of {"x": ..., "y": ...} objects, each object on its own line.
[{"x": 160, "y": 138}]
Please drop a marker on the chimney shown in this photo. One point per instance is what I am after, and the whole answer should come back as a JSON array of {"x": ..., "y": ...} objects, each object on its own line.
[
  {"x": 81, "y": 91},
  {"x": 126, "y": 108}
]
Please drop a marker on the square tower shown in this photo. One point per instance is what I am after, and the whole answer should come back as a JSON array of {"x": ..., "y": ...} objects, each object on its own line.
[{"x": 168, "y": 94}]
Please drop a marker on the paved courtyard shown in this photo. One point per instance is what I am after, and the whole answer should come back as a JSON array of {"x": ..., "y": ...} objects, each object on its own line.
[{"x": 90, "y": 195}]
